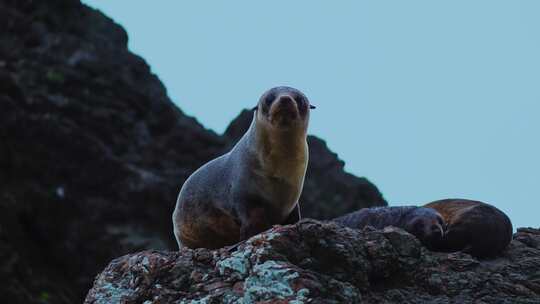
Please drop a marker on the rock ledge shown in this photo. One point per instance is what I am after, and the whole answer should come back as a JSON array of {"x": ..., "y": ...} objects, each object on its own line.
[{"x": 316, "y": 262}]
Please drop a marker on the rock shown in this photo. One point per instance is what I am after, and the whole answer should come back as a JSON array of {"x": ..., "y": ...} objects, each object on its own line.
[
  {"x": 93, "y": 152},
  {"x": 315, "y": 262}
]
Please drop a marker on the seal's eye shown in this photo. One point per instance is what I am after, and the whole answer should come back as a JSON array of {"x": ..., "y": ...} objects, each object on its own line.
[
  {"x": 300, "y": 101},
  {"x": 270, "y": 97},
  {"x": 299, "y": 98}
]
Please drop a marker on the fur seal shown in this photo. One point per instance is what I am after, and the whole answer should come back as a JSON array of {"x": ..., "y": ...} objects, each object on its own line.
[
  {"x": 255, "y": 185},
  {"x": 424, "y": 223},
  {"x": 473, "y": 227}
]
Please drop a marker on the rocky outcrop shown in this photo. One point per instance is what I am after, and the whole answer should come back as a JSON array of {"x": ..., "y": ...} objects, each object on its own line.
[
  {"x": 314, "y": 262},
  {"x": 93, "y": 153}
]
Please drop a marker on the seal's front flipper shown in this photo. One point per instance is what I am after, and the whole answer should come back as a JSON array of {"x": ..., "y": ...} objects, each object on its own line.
[{"x": 294, "y": 216}]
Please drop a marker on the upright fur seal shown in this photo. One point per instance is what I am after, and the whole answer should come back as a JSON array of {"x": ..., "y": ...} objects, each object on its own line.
[
  {"x": 473, "y": 227},
  {"x": 255, "y": 185},
  {"x": 424, "y": 223}
]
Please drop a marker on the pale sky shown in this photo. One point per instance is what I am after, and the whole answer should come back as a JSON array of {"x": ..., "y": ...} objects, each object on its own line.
[{"x": 428, "y": 99}]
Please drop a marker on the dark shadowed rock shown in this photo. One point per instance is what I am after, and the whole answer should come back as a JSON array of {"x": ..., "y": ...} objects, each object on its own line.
[
  {"x": 238, "y": 127},
  {"x": 312, "y": 262},
  {"x": 329, "y": 191},
  {"x": 92, "y": 151}
]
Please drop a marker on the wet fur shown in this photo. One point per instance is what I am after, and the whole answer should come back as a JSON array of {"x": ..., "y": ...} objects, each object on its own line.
[{"x": 473, "y": 227}]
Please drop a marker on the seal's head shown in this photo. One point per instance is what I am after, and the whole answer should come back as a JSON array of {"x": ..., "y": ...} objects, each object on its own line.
[
  {"x": 284, "y": 108},
  {"x": 426, "y": 224}
]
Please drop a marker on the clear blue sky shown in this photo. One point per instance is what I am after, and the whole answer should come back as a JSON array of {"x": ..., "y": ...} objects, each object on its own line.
[{"x": 428, "y": 99}]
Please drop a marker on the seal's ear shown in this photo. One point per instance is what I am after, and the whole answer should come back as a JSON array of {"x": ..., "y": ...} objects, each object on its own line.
[
  {"x": 255, "y": 108},
  {"x": 312, "y": 107}
]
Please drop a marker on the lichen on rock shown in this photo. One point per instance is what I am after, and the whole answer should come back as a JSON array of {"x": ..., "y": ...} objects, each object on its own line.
[{"x": 317, "y": 262}]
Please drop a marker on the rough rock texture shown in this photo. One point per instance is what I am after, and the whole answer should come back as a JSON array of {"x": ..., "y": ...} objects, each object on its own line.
[
  {"x": 93, "y": 152},
  {"x": 314, "y": 262}
]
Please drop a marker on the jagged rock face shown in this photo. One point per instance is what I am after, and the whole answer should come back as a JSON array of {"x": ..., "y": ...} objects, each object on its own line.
[
  {"x": 314, "y": 262},
  {"x": 93, "y": 152}
]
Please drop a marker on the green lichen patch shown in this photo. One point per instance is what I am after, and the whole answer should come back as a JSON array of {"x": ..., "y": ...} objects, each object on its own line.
[
  {"x": 55, "y": 76},
  {"x": 111, "y": 293},
  {"x": 270, "y": 280},
  {"x": 205, "y": 300},
  {"x": 238, "y": 262}
]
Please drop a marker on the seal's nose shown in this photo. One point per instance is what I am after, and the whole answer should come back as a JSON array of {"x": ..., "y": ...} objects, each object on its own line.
[
  {"x": 285, "y": 98},
  {"x": 286, "y": 101}
]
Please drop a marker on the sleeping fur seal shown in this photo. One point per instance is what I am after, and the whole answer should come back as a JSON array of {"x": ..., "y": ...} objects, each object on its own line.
[
  {"x": 473, "y": 227},
  {"x": 255, "y": 185},
  {"x": 424, "y": 223}
]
